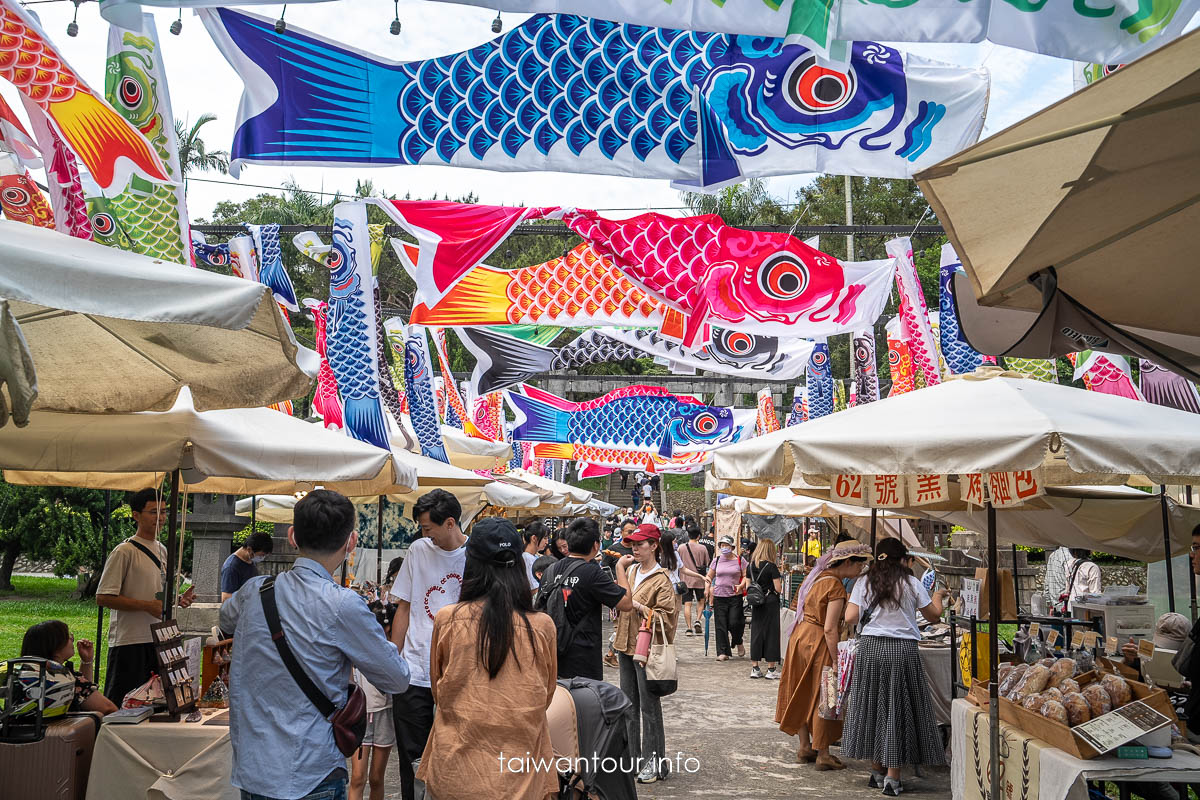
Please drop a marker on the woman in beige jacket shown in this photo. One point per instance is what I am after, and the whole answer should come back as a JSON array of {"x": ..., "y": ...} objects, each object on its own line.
[{"x": 653, "y": 596}]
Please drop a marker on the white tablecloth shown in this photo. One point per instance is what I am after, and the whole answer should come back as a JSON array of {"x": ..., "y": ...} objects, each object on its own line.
[
  {"x": 1060, "y": 776},
  {"x": 162, "y": 761}
]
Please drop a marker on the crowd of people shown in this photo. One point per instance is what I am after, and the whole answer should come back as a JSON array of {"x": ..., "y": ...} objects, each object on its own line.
[{"x": 457, "y": 653}]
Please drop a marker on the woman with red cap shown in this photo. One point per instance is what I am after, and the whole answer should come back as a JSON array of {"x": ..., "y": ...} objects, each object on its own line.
[{"x": 653, "y": 598}]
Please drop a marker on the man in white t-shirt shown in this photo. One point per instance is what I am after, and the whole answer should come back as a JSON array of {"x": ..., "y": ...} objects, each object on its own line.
[{"x": 430, "y": 579}]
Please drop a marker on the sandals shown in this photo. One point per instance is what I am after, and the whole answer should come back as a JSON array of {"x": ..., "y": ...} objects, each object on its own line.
[
  {"x": 806, "y": 756},
  {"x": 828, "y": 762}
]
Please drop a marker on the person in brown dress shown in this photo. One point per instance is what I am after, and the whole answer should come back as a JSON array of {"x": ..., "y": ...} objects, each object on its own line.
[
  {"x": 492, "y": 665},
  {"x": 812, "y": 646}
]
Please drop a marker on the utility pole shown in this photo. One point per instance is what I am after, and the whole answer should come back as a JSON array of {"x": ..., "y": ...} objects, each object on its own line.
[{"x": 849, "y": 217}]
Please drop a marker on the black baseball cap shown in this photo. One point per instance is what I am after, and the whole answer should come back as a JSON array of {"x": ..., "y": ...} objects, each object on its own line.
[{"x": 496, "y": 540}]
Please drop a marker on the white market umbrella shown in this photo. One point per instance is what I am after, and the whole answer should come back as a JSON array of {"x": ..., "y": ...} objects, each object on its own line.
[
  {"x": 279, "y": 507},
  {"x": 471, "y": 452},
  {"x": 989, "y": 421},
  {"x": 553, "y": 492},
  {"x": 231, "y": 451},
  {"x": 1084, "y": 215},
  {"x": 113, "y": 331}
]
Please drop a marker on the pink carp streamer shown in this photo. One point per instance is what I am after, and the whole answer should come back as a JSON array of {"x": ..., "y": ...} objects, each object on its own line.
[{"x": 914, "y": 314}]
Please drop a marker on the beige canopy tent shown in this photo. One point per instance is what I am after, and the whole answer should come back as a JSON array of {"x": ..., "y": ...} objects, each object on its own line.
[
  {"x": 1084, "y": 216},
  {"x": 113, "y": 331},
  {"x": 988, "y": 422}
]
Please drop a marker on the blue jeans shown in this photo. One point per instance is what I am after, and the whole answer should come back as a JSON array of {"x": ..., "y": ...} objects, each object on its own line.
[{"x": 329, "y": 790}]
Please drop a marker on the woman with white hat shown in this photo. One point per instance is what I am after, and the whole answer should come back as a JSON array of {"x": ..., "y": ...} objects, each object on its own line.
[
  {"x": 727, "y": 581},
  {"x": 812, "y": 646}
]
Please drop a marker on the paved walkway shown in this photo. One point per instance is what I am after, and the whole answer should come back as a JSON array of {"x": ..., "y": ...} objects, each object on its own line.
[{"x": 724, "y": 719}]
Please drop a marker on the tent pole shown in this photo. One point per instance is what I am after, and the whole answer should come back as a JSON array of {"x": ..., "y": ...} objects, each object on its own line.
[
  {"x": 1166, "y": 523},
  {"x": 1016, "y": 581},
  {"x": 172, "y": 545},
  {"x": 253, "y": 512},
  {"x": 104, "y": 558},
  {"x": 379, "y": 547},
  {"x": 993, "y": 651},
  {"x": 874, "y": 522},
  {"x": 1187, "y": 498}
]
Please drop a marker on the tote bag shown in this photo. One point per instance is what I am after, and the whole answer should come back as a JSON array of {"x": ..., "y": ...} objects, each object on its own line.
[{"x": 661, "y": 677}]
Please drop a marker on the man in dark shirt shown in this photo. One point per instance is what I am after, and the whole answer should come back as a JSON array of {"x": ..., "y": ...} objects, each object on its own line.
[
  {"x": 242, "y": 564},
  {"x": 706, "y": 539},
  {"x": 586, "y": 587}
]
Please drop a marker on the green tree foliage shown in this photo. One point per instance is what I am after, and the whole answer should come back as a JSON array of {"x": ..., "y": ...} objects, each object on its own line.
[
  {"x": 61, "y": 524},
  {"x": 194, "y": 155}
]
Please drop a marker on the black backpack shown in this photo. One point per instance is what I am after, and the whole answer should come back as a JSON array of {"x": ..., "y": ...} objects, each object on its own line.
[
  {"x": 755, "y": 595},
  {"x": 552, "y": 599}
]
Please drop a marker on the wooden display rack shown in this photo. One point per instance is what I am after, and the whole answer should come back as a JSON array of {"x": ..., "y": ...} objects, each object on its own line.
[{"x": 177, "y": 680}]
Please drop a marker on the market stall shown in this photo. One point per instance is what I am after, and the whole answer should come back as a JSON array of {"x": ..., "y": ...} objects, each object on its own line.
[
  {"x": 1006, "y": 437},
  {"x": 164, "y": 759}
]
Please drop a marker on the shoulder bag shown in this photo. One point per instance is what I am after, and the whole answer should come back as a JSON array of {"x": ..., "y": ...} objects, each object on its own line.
[
  {"x": 662, "y": 677},
  {"x": 350, "y": 721}
]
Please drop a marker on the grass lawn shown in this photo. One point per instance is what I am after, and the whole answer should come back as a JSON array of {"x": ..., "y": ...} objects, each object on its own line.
[{"x": 40, "y": 599}]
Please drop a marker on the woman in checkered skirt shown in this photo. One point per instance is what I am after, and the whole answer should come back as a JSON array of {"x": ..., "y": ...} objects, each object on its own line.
[{"x": 889, "y": 717}]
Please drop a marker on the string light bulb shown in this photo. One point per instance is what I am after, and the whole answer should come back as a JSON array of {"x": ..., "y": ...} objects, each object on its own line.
[
  {"x": 395, "y": 26},
  {"x": 497, "y": 25},
  {"x": 73, "y": 25},
  {"x": 177, "y": 25},
  {"x": 280, "y": 25}
]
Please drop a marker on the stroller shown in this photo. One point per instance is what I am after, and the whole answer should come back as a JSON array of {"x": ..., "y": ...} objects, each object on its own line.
[{"x": 587, "y": 726}]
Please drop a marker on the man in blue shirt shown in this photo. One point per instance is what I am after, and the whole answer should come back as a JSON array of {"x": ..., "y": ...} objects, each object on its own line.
[
  {"x": 329, "y": 629},
  {"x": 242, "y": 564}
]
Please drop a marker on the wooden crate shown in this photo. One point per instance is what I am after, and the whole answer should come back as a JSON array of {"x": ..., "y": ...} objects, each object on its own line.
[{"x": 1059, "y": 735}]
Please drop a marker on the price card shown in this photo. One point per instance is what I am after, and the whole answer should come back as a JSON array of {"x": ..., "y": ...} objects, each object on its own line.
[
  {"x": 1076, "y": 639},
  {"x": 1091, "y": 639},
  {"x": 1113, "y": 646},
  {"x": 970, "y": 597},
  {"x": 1052, "y": 637},
  {"x": 1034, "y": 627},
  {"x": 1110, "y": 731},
  {"x": 1145, "y": 648}
]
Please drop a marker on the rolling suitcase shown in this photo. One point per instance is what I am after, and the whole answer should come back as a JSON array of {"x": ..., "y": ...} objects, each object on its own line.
[{"x": 55, "y": 767}]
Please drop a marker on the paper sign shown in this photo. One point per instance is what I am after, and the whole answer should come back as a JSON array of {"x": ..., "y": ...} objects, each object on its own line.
[
  {"x": 1113, "y": 646},
  {"x": 1076, "y": 639},
  {"x": 1034, "y": 629},
  {"x": 1091, "y": 639},
  {"x": 1000, "y": 489},
  {"x": 1052, "y": 637},
  {"x": 886, "y": 491},
  {"x": 1145, "y": 648},
  {"x": 970, "y": 597},
  {"x": 970, "y": 488},
  {"x": 926, "y": 489},
  {"x": 1110, "y": 731},
  {"x": 1027, "y": 485},
  {"x": 849, "y": 489}
]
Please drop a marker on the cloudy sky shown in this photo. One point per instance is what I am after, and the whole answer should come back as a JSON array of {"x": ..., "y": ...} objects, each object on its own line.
[{"x": 201, "y": 81}]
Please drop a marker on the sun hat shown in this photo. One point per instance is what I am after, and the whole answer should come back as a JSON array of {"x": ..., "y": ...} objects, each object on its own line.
[
  {"x": 726, "y": 540},
  {"x": 1171, "y": 630},
  {"x": 850, "y": 549}
]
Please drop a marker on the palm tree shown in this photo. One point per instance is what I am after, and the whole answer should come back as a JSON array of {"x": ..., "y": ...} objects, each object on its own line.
[
  {"x": 747, "y": 203},
  {"x": 193, "y": 154}
]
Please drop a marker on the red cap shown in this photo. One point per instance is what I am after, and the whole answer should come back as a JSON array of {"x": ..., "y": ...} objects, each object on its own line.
[{"x": 644, "y": 532}]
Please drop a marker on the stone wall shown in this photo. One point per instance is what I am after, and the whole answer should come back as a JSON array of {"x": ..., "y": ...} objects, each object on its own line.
[{"x": 689, "y": 502}]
